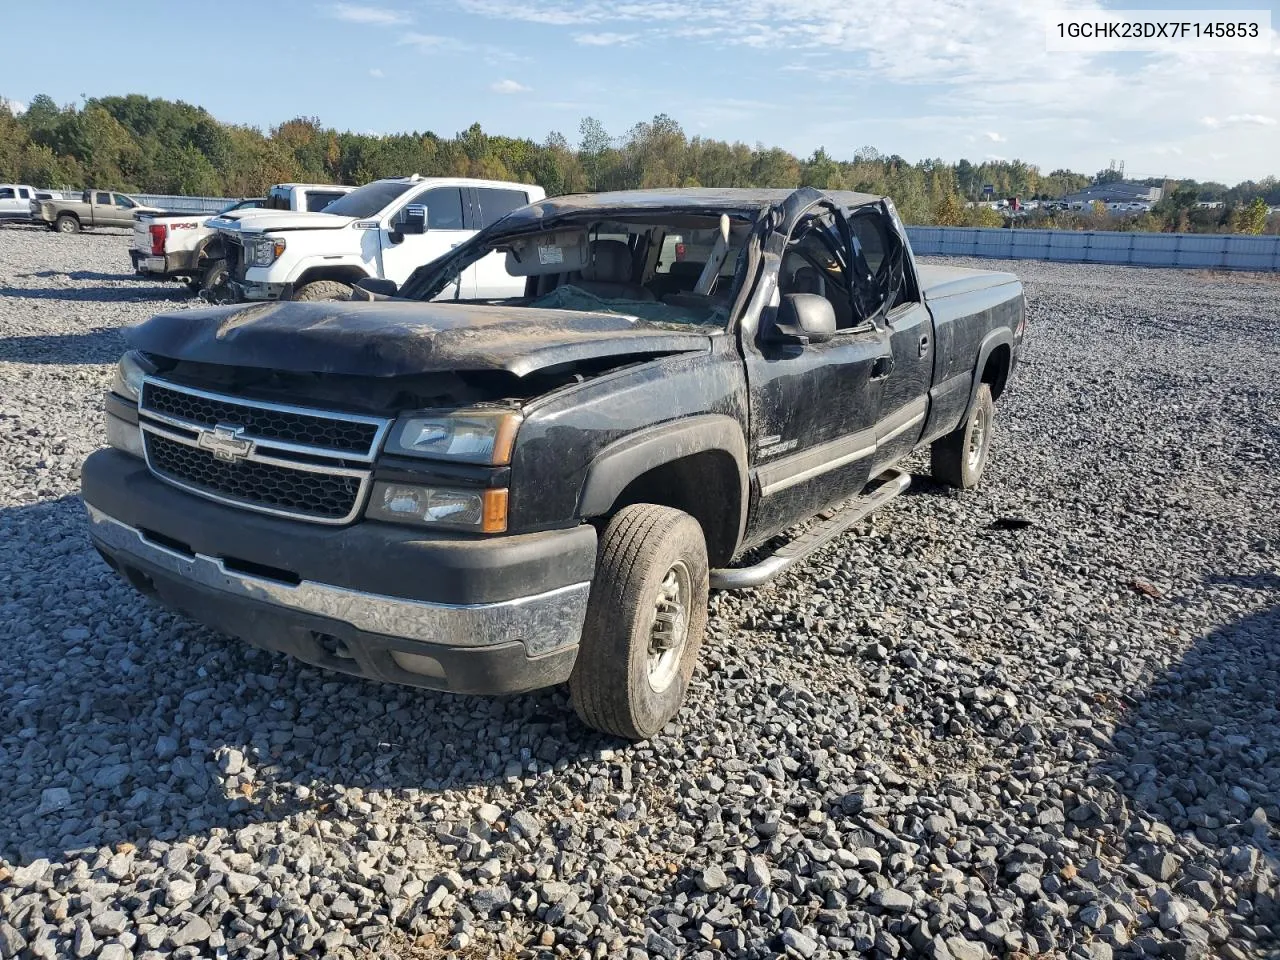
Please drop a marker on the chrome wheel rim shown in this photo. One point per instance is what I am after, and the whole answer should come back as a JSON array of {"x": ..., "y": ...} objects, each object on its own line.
[
  {"x": 670, "y": 627},
  {"x": 978, "y": 437}
]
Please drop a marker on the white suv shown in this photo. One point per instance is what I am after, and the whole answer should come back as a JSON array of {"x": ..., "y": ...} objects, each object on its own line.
[{"x": 385, "y": 229}]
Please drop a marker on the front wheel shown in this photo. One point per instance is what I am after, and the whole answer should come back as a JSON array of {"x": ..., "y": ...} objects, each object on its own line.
[
  {"x": 645, "y": 622},
  {"x": 214, "y": 275},
  {"x": 960, "y": 457},
  {"x": 323, "y": 290}
]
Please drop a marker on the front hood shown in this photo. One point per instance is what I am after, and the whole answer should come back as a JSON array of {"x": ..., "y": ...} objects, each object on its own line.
[
  {"x": 256, "y": 221},
  {"x": 400, "y": 338}
]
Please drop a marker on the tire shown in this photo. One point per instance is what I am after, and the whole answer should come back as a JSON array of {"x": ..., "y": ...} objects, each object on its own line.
[
  {"x": 652, "y": 559},
  {"x": 214, "y": 275},
  {"x": 959, "y": 458},
  {"x": 323, "y": 290},
  {"x": 67, "y": 224}
]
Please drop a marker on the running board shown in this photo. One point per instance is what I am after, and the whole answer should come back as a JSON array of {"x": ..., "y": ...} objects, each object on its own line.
[{"x": 887, "y": 486}]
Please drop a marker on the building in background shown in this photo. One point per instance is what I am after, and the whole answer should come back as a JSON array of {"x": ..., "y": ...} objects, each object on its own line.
[{"x": 1119, "y": 192}]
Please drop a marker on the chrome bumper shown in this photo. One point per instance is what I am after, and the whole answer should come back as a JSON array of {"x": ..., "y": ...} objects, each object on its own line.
[{"x": 543, "y": 622}]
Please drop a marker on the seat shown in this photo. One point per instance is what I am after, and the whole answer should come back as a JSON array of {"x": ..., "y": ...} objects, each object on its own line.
[
  {"x": 608, "y": 274},
  {"x": 681, "y": 277}
]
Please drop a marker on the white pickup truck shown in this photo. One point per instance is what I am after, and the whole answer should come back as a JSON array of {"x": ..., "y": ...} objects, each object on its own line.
[
  {"x": 15, "y": 202},
  {"x": 385, "y": 229},
  {"x": 171, "y": 246},
  {"x": 179, "y": 246}
]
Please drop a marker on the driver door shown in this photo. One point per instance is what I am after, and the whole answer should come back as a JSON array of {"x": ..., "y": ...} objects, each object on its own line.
[
  {"x": 812, "y": 407},
  {"x": 122, "y": 211},
  {"x": 403, "y": 251}
]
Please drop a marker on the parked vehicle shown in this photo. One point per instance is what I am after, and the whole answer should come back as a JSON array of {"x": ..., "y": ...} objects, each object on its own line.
[
  {"x": 384, "y": 229},
  {"x": 95, "y": 208},
  {"x": 312, "y": 197},
  {"x": 496, "y": 494},
  {"x": 171, "y": 246},
  {"x": 15, "y": 202},
  {"x": 295, "y": 197}
]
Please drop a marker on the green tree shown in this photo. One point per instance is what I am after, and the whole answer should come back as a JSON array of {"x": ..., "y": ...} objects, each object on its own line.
[{"x": 1251, "y": 218}]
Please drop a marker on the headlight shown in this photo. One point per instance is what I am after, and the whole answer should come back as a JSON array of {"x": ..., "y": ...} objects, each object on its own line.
[
  {"x": 467, "y": 436},
  {"x": 127, "y": 381},
  {"x": 263, "y": 251},
  {"x": 481, "y": 510}
]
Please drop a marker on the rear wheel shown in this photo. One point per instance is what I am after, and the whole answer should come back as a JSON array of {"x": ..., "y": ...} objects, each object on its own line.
[
  {"x": 67, "y": 224},
  {"x": 645, "y": 622},
  {"x": 960, "y": 457},
  {"x": 322, "y": 290}
]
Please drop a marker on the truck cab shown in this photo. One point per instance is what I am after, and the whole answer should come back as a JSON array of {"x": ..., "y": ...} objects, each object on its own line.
[
  {"x": 385, "y": 229},
  {"x": 311, "y": 197},
  {"x": 15, "y": 202}
]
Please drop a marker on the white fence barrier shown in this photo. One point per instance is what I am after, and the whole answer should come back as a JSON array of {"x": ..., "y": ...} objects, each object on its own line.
[
  {"x": 183, "y": 204},
  {"x": 1206, "y": 251}
]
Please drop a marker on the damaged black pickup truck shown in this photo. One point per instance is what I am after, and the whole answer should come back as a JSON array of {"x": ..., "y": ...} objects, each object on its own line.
[{"x": 491, "y": 496}]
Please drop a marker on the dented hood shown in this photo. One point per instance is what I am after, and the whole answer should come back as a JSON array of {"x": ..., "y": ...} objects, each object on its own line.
[{"x": 400, "y": 338}]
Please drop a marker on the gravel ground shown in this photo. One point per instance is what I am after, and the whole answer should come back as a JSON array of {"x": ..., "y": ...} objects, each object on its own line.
[{"x": 1040, "y": 719}]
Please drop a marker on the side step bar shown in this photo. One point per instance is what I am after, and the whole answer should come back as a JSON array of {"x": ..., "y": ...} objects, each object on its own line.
[{"x": 885, "y": 487}]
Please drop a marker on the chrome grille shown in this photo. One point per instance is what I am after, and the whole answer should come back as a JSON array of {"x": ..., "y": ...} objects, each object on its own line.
[
  {"x": 301, "y": 493},
  {"x": 273, "y": 458},
  {"x": 354, "y": 438}
]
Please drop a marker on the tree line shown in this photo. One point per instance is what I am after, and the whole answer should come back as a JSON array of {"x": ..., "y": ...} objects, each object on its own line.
[{"x": 151, "y": 145}]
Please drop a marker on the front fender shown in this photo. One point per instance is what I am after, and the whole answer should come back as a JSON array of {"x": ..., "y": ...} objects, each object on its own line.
[{"x": 618, "y": 464}]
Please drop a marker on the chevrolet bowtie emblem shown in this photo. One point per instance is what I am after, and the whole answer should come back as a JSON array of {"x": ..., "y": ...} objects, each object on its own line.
[{"x": 225, "y": 441}]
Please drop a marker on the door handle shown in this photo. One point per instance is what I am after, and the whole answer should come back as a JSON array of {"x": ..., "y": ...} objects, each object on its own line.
[
  {"x": 880, "y": 369},
  {"x": 924, "y": 344}
]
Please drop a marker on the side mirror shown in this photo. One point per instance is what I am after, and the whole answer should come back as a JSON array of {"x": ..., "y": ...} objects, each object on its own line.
[
  {"x": 375, "y": 288},
  {"x": 412, "y": 219},
  {"x": 803, "y": 318}
]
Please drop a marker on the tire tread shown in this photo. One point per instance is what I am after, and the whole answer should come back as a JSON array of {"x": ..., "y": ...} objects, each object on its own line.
[{"x": 600, "y": 675}]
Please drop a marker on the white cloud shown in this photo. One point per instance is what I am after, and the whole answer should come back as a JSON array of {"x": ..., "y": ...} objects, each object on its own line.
[
  {"x": 996, "y": 158},
  {"x": 949, "y": 59},
  {"x": 376, "y": 73},
  {"x": 508, "y": 86},
  {"x": 378, "y": 16},
  {"x": 425, "y": 41},
  {"x": 436, "y": 44},
  {"x": 15, "y": 106},
  {"x": 1239, "y": 119},
  {"x": 605, "y": 39}
]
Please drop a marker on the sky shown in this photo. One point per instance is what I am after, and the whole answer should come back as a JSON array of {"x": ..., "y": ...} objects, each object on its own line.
[{"x": 918, "y": 78}]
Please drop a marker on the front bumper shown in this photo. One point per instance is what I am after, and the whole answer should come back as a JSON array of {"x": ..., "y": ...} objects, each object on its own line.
[
  {"x": 259, "y": 290},
  {"x": 498, "y": 615}
]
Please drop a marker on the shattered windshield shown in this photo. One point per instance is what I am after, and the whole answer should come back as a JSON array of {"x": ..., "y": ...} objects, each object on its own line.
[{"x": 679, "y": 269}]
